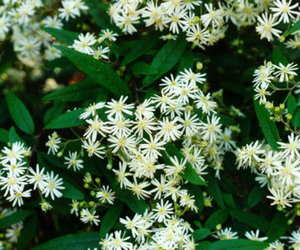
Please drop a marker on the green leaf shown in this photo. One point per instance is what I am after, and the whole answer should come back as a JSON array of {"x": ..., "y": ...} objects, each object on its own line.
[
  {"x": 278, "y": 57},
  {"x": 296, "y": 117},
  {"x": 278, "y": 227},
  {"x": 251, "y": 219},
  {"x": 229, "y": 200},
  {"x": 27, "y": 232},
  {"x": 143, "y": 68},
  {"x": 218, "y": 217},
  {"x": 64, "y": 36},
  {"x": 213, "y": 188},
  {"x": 268, "y": 127},
  {"x": 7, "y": 58},
  {"x": 110, "y": 218},
  {"x": 98, "y": 11},
  {"x": 225, "y": 120},
  {"x": 62, "y": 62},
  {"x": 186, "y": 61},
  {"x": 14, "y": 218},
  {"x": 167, "y": 58},
  {"x": 19, "y": 113},
  {"x": 291, "y": 104},
  {"x": 201, "y": 234},
  {"x": 102, "y": 73},
  {"x": 67, "y": 120},
  {"x": 238, "y": 244},
  {"x": 295, "y": 27},
  {"x": 189, "y": 173},
  {"x": 142, "y": 46},
  {"x": 13, "y": 136},
  {"x": 256, "y": 194},
  {"x": 76, "y": 92},
  {"x": 77, "y": 241},
  {"x": 4, "y": 135},
  {"x": 54, "y": 112}
]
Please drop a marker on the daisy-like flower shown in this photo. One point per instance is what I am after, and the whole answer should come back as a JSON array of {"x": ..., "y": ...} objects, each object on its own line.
[
  {"x": 96, "y": 126},
  {"x": 15, "y": 153},
  {"x": 139, "y": 189},
  {"x": 12, "y": 183},
  {"x": 106, "y": 195},
  {"x": 87, "y": 217},
  {"x": 122, "y": 174},
  {"x": 147, "y": 124},
  {"x": 110, "y": 35},
  {"x": 37, "y": 178},
  {"x": 211, "y": 130},
  {"x": 91, "y": 110},
  {"x": 284, "y": 71},
  {"x": 160, "y": 187},
  {"x": 280, "y": 197},
  {"x": 117, "y": 242},
  {"x": 294, "y": 240},
  {"x": 265, "y": 27},
  {"x": 284, "y": 10},
  {"x": 169, "y": 130},
  {"x": 83, "y": 44},
  {"x": 125, "y": 22},
  {"x": 45, "y": 206},
  {"x": 53, "y": 185},
  {"x": 73, "y": 161},
  {"x": 203, "y": 101},
  {"x": 17, "y": 169},
  {"x": 190, "y": 124},
  {"x": 117, "y": 108},
  {"x": 213, "y": 16},
  {"x": 152, "y": 147},
  {"x": 52, "y": 22},
  {"x": 75, "y": 206},
  {"x": 262, "y": 92},
  {"x": 189, "y": 76},
  {"x": 68, "y": 10},
  {"x": 101, "y": 53},
  {"x": 163, "y": 211},
  {"x": 292, "y": 147},
  {"x": 226, "y": 234},
  {"x": 17, "y": 196},
  {"x": 255, "y": 236},
  {"x": 13, "y": 233},
  {"x": 93, "y": 148},
  {"x": 133, "y": 224},
  {"x": 125, "y": 143},
  {"x": 52, "y": 143},
  {"x": 169, "y": 84}
]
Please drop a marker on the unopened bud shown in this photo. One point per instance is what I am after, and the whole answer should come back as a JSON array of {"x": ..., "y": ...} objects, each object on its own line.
[
  {"x": 86, "y": 185},
  {"x": 291, "y": 77},
  {"x": 98, "y": 180},
  {"x": 59, "y": 154},
  {"x": 289, "y": 117},
  {"x": 272, "y": 118},
  {"x": 91, "y": 203},
  {"x": 92, "y": 193},
  {"x": 218, "y": 227},
  {"x": 290, "y": 222},
  {"x": 199, "y": 65},
  {"x": 282, "y": 106},
  {"x": 281, "y": 39}
]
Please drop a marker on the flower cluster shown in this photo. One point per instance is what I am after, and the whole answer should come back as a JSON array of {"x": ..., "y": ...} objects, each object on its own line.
[
  {"x": 26, "y": 18},
  {"x": 211, "y": 25},
  {"x": 15, "y": 179}
]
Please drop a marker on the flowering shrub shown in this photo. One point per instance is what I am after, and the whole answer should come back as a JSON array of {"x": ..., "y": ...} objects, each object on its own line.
[{"x": 149, "y": 124}]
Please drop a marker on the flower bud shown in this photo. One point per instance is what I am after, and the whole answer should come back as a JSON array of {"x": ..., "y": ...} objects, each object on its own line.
[
  {"x": 93, "y": 193},
  {"x": 91, "y": 203},
  {"x": 199, "y": 65},
  {"x": 218, "y": 227}
]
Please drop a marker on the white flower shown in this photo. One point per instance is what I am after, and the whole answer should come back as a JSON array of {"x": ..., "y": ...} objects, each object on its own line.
[
  {"x": 226, "y": 234},
  {"x": 106, "y": 195},
  {"x": 169, "y": 130},
  {"x": 284, "y": 71},
  {"x": 152, "y": 147},
  {"x": 15, "y": 153},
  {"x": 87, "y": 216},
  {"x": 91, "y": 110},
  {"x": 93, "y": 148},
  {"x": 12, "y": 183},
  {"x": 52, "y": 22},
  {"x": 17, "y": 196},
  {"x": 13, "y": 233},
  {"x": 74, "y": 206},
  {"x": 133, "y": 224},
  {"x": 53, "y": 185},
  {"x": 162, "y": 211},
  {"x": 280, "y": 197},
  {"x": 117, "y": 108},
  {"x": 190, "y": 77},
  {"x": 125, "y": 143},
  {"x": 100, "y": 53},
  {"x": 139, "y": 189},
  {"x": 292, "y": 148},
  {"x": 37, "y": 178},
  {"x": 84, "y": 43},
  {"x": 45, "y": 206},
  {"x": 96, "y": 126},
  {"x": 212, "y": 129},
  {"x": 265, "y": 29},
  {"x": 68, "y": 10},
  {"x": 110, "y": 35},
  {"x": 284, "y": 10},
  {"x": 53, "y": 144},
  {"x": 73, "y": 161},
  {"x": 255, "y": 236}
]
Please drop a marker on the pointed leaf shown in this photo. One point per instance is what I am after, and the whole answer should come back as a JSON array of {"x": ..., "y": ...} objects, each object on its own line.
[
  {"x": 295, "y": 28},
  {"x": 99, "y": 71},
  {"x": 14, "y": 218},
  {"x": 218, "y": 217},
  {"x": 19, "y": 113},
  {"x": 238, "y": 244},
  {"x": 268, "y": 127},
  {"x": 278, "y": 227},
  {"x": 27, "y": 232},
  {"x": 143, "y": 69},
  {"x": 278, "y": 57},
  {"x": 4, "y": 135},
  {"x": 64, "y": 36},
  {"x": 256, "y": 194}
]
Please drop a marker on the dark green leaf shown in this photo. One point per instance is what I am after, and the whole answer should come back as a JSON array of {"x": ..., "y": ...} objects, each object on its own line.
[
  {"x": 238, "y": 244},
  {"x": 167, "y": 58},
  {"x": 201, "y": 234},
  {"x": 278, "y": 57},
  {"x": 218, "y": 217},
  {"x": 13, "y": 136},
  {"x": 278, "y": 227},
  {"x": 229, "y": 200},
  {"x": 142, "y": 46},
  {"x": 77, "y": 241},
  {"x": 19, "y": 113},
  {"x": 4, "y": 135},
  {"x": 189, "y": 173},
  {"x": 110, "y": 218},
  {"x": 296, "y": 117},
  {"x": 295, "y": 28},
  {"x": 62, "y": 62},
  {"x": 71, "y": 192},
  {"x": 256, "y": 194},
  {"x": 27, "y": 232},
  {"x": 143, "y": 68},
  {"x": 67, "y": 120},
  {"x": 54, "y": 112},
  {"x": 213, "y": 188},
  {"x": 64, "y": 36},
  {"x": 251, "y": 219},
  {"x": 7, "y": 58},
  {"x": 225, "y": 120},
  {"x": 98, "y": 11},
  {"x": 268, "y": 127},
  {"x": 77, "y": 92},
  {"x": 291, "y": 104},
  {"x": 186, "y": 61},
  {"x": 14, "y": 218},
  {"x": 99, "y": 71}
]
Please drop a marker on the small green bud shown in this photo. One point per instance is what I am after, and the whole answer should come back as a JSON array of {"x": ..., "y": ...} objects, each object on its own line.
[
  {"x": 86, "y": 185},
  {"x": 59, "y": 154},
  {"x": 91, "y": 203},
  {"x": 290, "y": 222},
  {"x": 98, "y": 180},
  {"x": 93, "y": 193},
  {"x": 218, "y": 227}
]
